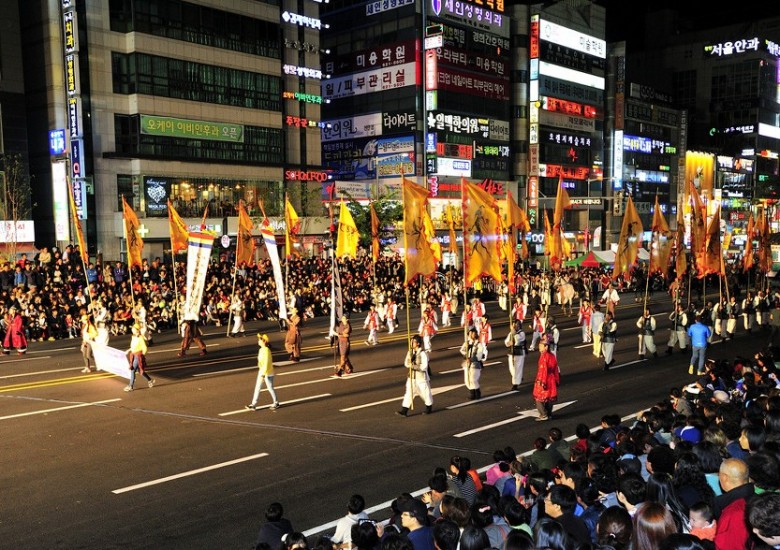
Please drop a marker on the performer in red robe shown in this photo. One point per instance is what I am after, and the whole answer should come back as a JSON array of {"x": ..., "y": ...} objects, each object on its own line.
[{"x": 14, "y": 333}]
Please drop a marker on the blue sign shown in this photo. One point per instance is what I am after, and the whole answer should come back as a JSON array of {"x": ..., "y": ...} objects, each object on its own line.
[
  {"x": 76, "y": 158},
  {"x": 56, "y": 142}
]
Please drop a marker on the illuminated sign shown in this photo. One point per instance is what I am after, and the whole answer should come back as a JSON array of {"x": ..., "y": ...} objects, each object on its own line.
[
  {"x": 302, "y": 122},
  {"x": 157, "y": 191},
  {"x": 454, "y": 150},
  {"x": 464, "y": 59},
  {"x": 431, "y": 75},
  {"x": 76, "y": 158},
  {"x": 491, "y": 150},
  {"x": 483, "y": 86},
  {"x": 396, "y": 165},
  {"x": 723, "y": 49},
  {"x": 459, "y": 124},
  {"x": 377, "y": 80},
  {"x": 533, "y": 51},
  {"x": 305, "y": 72},
  {"x": 569, "y": 122},
  {"x": 372, "y": 8},
  {"x": 570, "y": 172},
  {"x": 549, "y": 86},
  {"x": 568, "y": 107},
  {"x": 74, "y": 117},
  {"x": 303, "y": 98},
  {"x": 69, "y": 32},
  {"x": 471, "y": 15},
  {"x": 639, "y": 144},
  {"x": 453, "y": 167},
  {"x": 56, "y": 142},
  {"x": 59, "y": 185},
  {"x": 768, "y": 130},
  {"x": 570, "y": 75},
  {"x": 72, "y": 84},
  {"x": 564, "y": 138},
  {"x": 305, "y": 175},
  {"x": 386, "y": 55},
  {"x": 302, "y": 20},
  {"x": 570, "y": 38},
  {"x": 193, "y": 129}
]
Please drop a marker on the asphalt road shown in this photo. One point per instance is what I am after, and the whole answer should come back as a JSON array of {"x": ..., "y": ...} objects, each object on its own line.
[{"x": 184, "y": 465}]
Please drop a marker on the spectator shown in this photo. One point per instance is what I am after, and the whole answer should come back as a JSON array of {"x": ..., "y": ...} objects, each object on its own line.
[{"x": 276, "y": 526}]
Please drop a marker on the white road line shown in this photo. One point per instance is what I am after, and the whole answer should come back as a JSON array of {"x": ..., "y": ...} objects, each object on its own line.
[
  {"x": 46, "y": 411},
  {"x": 186, "y": 474},
  {"x": 588, "y": 345},
  {"x": 254, "y": 367},
  {"x": 283, "y": 404},
  {"x": 434, "y": 391},
  {"x": 627, "y": 364},
  {"x": 520, "y": 416},
  {"x": 304, "y": 360},
  {"x": 24, "y": 360},
  {"x": 487, "y": 398}
]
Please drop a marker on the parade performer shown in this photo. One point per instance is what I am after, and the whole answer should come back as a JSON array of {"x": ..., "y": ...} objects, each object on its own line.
[
  {"x": 265, "y": 373},
  {"x": 427, "y": 329},
  {"x": 343, "y": 333},
  {"x": 608, "y": 339},
  {"x": 418, "y": 381},
  {"x": 191, "y": 333},
  {"x": 14, "y": 333},
  {"x": 515, "y": 341},
  {"x": 136, "y": 356},
  {"x": 548, "y": 377},
  {"x": 446, "y": 310},
  {"x": 293, "y": 338},
  {"x": 646, "y": 326},
  {"x": 475, "y": 355},
  {"x": 237, "y": 309},
  {"x": 372, "y": 325},
  {"x": 583, "y": 319},
  {"x": 391, "y": 315}
]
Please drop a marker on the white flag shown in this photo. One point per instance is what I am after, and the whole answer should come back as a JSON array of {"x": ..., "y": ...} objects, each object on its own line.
[
  {"x": 198, "y": 255},
  {"x": 273, "y": 254}
]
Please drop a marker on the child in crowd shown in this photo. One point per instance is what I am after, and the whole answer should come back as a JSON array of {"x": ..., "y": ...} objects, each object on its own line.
[{"x": 703, "y": 523}]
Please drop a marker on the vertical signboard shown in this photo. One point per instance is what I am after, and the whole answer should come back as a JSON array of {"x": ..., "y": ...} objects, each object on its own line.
[{"x": 59, "y": 185}]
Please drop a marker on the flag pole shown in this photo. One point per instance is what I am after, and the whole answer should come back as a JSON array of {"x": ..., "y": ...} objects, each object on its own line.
[
  {"x": 129, "y": 266},
  {"x": 409, "y": 372},
  {"x": 465, "y": 264},
  {"x": 235, "y": 269},
  {"x": 81, "y": 253}
]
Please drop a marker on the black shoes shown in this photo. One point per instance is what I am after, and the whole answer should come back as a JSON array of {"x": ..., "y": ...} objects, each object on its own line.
[
  {"x": 428, "y": 409},
  {"x": 402, "y": 412}
]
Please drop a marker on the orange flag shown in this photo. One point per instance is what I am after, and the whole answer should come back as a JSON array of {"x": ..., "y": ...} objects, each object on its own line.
[
  {"x": 419, "y": 258},
  {"x": 712, "y": 249},
  {"x": 180, "y": 235},
  {"x": 135, "y": 244},
  {"x": 374, "y": 233},
  {"x": 292, "y": 226},
  {"x": 245, "y": 242},
  {"x": 518, "y": 219},
  {"x": 77, "y": 223},
  {"x": 698, "y": 222},
  {"x": 764, "y": 247},
  {"x": 450, "y": 214},
  {"x": 681, "y": 264},
  {"x": 748, "y": 258},
  {"x": 630, "y": 240},
  {"x": 661, "y": 247},
  {"x": 548, "y": 238},
  {"x": 481, "y": 233}
]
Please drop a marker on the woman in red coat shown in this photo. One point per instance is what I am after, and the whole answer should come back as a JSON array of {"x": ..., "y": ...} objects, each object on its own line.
[
  {"x": 548, "y": 376},
  {"x": 14, "y": 333}
]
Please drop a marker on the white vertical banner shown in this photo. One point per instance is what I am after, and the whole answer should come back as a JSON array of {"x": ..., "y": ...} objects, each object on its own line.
[
  {"x": 198, "y": 255},
  {"x": 59, "y": 184},
  {"x": 269, "y": 239}
]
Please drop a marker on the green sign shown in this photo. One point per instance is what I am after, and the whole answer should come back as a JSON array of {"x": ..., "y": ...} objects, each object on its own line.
[{"x": 191, "y": 129}]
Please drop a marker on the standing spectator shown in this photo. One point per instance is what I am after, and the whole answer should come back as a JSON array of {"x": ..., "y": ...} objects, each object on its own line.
[
  {"x": 137, "y": 358},
  {"x": 475, "y": 354},
  {"x": 343, "y": 333},
  {"x": 191, "y": 333},
  {"x": 515, "y": 341},
  {"x": 293, "y": 339},
  {"x": 417, "y": 379},
  {"x": 608, "y": 332},
  {"x": 275, "y": 527},
  {"x": 265, "y": 373},
  {"x": 548, "y": 376},
  {"x": 699, "y": 334},
  {"x": 774, "y": 321},
  {"x": 646, "y": 326}
]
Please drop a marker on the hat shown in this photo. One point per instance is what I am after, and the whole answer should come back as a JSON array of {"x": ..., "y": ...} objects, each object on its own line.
[
  {"x": 263, "y": 337},
  {"x": 721, "y": 396},
  {"x": 414, "y": 507}
]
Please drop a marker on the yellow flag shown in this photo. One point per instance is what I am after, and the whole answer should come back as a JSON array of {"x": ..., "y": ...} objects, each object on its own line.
[
  {"x": 135, "y": 244},
  {"x": 548, "y": 238},
  {"x": 698, "y": 222},
  {"x": 450, "y": 214},
  {"x": 711, "y": 252},
  {"x": 516, "y": 215},
  {"x": 481, "y": 233},
  {"x": 245, "y": 242},
  {"x": 180, "y": 235},
  {"x": 562, "y": 202},
  {"x": 630, "y": 240},
  {"x": 292, "y": 226},
  {"x": 681, "y": 263},
  {"x": 419, "y": 257},
  {"x": 764, "y": 246},
  {"x": 348, "y": 236},
  {"x": 430, "y": 235},
  {"x": 77, "y": 223},
  {"x": 374, "y": 233},
  {"x": 661, "y": 247}
]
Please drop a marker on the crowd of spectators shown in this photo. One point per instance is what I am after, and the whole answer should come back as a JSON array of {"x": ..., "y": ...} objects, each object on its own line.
[{"x": 699, "y": 470}]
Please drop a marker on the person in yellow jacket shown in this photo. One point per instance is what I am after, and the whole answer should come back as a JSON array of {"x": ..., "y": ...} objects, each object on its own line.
[
  {"x": 89, "y": 334},
  {"x": 136, "y": 355},
  {"x": 265, "y": 373}
]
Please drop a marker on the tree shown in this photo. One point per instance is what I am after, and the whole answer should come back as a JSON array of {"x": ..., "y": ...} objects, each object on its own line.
[{"x": 15, "y": 193}]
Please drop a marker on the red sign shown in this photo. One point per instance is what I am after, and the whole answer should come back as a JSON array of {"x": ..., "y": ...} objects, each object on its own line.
[
  {"x": 569, "y": 107},
  {"x": 533, "y": 191},
  {"x": 534, "y": 46},
  {"x": 571, "y": 172},
  {"x": 492, "y": 187},
  {"x": 454, "y": 150},
  {"x": 305, "y": 175},
  {"x": 431, "y": 64}
]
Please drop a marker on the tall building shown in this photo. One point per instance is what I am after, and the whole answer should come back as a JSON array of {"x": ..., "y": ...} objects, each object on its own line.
[{"x": 206, "y": 104}]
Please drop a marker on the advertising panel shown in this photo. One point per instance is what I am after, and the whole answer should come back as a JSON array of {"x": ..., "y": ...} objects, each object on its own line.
[
  {"x": 700, "y": 169},
  {"x": 156, "y": 191},
  {"x": 572, "y": 91},
  {"x": 59, "y": 185},
  {"x": 482, "y": 86},
  {"x": 193, "y": 129},
  {"x": 386, "y": 55},
  {"x": 585, "y": 43},
  {"x": 568, "y": 122},
  {"x": 376, "y": 80},
  {"x": 471, "y": 15}
]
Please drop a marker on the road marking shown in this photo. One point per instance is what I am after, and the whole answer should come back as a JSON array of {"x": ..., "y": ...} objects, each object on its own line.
[
  {"x": 588, "y": 345},
  {"x": 46, "y": 411},
  {"x": 627, "y": 364},
  {"x": 434, "y": 391},
  {"x": 283, "y": 404},
  {"x": 186, "y": 474},
  {"x": 254, "y": 367},
  {"x": 460, "y": 369},
  {"x": 26, "y": 360},
  {"x": 482, "y": 399},
  {"x": 530, "y": 413}
]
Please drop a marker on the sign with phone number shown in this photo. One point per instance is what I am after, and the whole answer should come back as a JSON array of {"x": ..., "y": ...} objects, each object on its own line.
[{"x": 192, "y": 129}]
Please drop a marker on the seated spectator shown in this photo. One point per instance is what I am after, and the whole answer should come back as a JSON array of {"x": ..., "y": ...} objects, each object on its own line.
[{"x": 275, "y": 527}]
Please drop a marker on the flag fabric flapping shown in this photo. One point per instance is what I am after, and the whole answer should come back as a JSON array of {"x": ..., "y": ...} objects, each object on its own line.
[
  {"x": 179, "y": 233},
  {"x": 77, "y": 224},
  {"x": 269, "y": 239},
  {"x": 480, "y": 233},
  {"x": 292, "y": 227},
  {"x": 135, "y": 244},
  {"x": 418, "y": 254},
  {"x": 681, "y": 261},
  {"x": 450, "y": 214},
  {"x": 245, "y": 242},
  {"x": 661, "y": 246},
  {"x": 748, "y": 257},
  {"x": 630, "y": 240},
  {"x": 199, "y": 247},
  {"x": 711, "y": 252},
  {"x": 348, "y": 236},
  {"x": 698, "y": 222}
]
